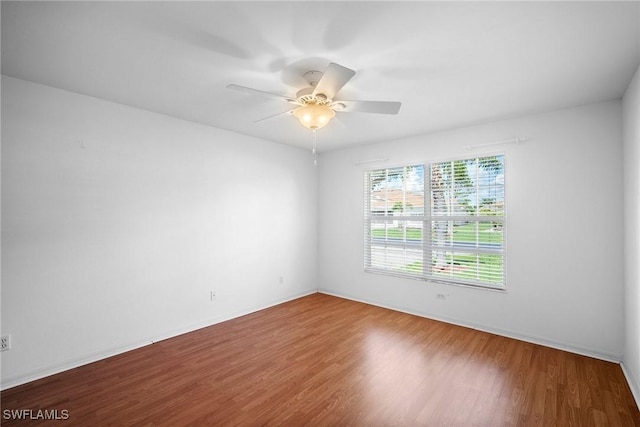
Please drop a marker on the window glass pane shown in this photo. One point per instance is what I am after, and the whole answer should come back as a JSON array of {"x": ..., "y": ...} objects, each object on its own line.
[
  {"x": 398, "y": 258},
  {"x": 467, "y": 266},
  {"x": 439, "y": 202},
  {"x": 490, "y": 234},
  {"x": 441, "y": 233},
  {"x": 397, "y": 231},
  {"x": 468, "y": 187},
  {"x": 414, "y": 232},
  {"x": 491, "y": 269},
  {"x": 470, "y": 234},
  {"x": 465, "y": 233},
  {"x": 397, "y": 191},
  {"x": 463, "y": 221},
  {"x": 491, "y": 200}
]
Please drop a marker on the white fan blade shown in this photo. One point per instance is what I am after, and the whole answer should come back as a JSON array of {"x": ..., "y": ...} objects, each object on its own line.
[
  {"x": 378, "y": 107},
  {"x": 333, "y": 79},
  {"x": 274, "y": 116},
  {"x": 262, "y": 93}
]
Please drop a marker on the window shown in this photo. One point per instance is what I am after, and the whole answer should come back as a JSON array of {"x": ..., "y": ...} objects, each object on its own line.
[{"x": 443, "y": 221}]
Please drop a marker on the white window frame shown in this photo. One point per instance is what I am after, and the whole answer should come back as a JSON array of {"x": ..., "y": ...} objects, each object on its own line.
[{"x": 426, "y": 245}]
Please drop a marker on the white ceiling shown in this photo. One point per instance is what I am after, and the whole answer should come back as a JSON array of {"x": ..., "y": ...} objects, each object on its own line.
[{"x": 450, "y": 64}]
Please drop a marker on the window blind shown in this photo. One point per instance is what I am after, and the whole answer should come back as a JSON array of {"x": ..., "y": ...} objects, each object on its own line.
[{"x": 442, "y": 221}]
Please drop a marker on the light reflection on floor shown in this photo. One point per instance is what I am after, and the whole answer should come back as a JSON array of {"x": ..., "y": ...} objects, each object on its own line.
[{"x": 405, "y": 377}]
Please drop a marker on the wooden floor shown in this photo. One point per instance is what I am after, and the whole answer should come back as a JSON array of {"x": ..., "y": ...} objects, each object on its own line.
[{"x": 321, "y": 360}]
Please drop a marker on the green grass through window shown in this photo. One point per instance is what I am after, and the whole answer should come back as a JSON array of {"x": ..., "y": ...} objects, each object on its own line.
[
  {"x": 485, "y": 268},
  {"x": 487, "y": 233}
]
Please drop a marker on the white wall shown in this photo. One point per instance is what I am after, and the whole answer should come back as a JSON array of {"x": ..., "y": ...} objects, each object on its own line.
[
  {"x": 564, "y": 230},
  {"x": 117, "y": 223},
  {"x": 631, "y": 150}
]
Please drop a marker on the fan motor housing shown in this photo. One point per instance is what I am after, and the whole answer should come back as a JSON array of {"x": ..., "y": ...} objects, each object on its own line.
[
  {"x": 306, "y": 96},
  {"x": 312, "y": 77}
]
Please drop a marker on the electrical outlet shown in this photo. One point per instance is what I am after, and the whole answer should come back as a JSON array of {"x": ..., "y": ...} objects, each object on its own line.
[{"x": 5, "y": 342}]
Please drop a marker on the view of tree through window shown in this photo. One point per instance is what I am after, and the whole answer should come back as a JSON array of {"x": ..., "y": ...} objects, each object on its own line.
[{"x": 442, "y": 221}]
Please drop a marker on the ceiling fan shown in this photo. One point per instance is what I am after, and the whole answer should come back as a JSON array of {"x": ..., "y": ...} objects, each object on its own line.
[{"x": 316, "y": 104}]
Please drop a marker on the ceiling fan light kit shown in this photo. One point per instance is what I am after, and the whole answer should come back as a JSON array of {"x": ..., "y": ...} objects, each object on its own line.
[
  {"x": 317, "y": 100},
  {"x": 315, "y": 104},
  {"x": 314, "y": 116}
]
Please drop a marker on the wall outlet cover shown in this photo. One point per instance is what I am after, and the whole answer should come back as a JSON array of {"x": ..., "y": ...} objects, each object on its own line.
[{"x": 5, "y": 342}]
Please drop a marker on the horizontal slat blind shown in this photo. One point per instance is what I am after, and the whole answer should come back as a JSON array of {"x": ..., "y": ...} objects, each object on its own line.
[
  {"x": 443, "y": 221},
  {"x": 394, "y": 220}
]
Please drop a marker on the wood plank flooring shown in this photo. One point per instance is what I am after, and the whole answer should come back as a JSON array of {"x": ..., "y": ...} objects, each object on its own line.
[{"x": 327, "y": 361}]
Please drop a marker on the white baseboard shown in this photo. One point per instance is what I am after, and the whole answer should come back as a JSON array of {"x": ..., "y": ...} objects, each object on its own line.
[
  {"x": 572, "y": 348},
  {"x": 17, "y": 380},
  {"x": 633, "y": 382}
]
